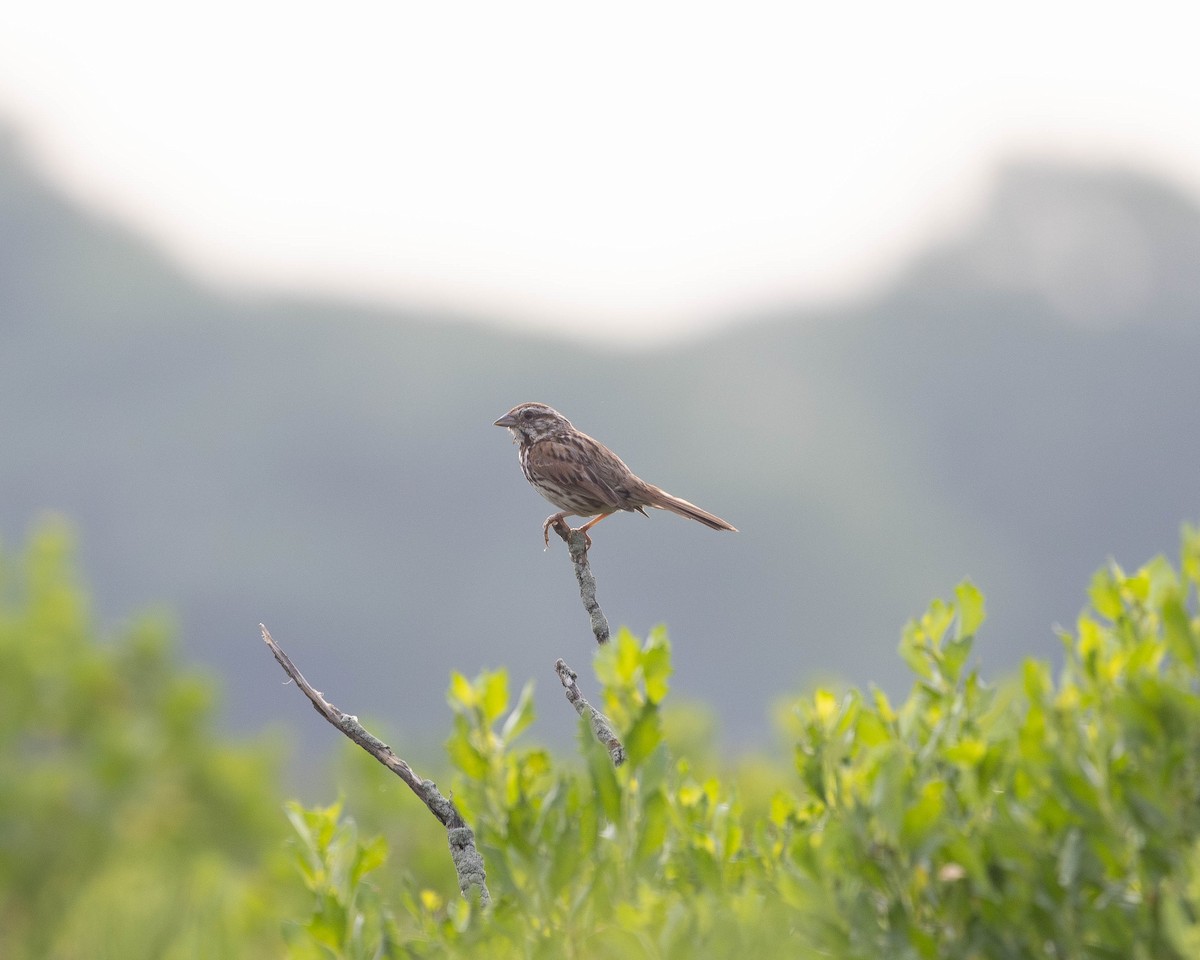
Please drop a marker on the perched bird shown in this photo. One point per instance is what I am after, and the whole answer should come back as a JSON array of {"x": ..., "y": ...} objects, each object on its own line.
[{"x": 581, "y": 476}]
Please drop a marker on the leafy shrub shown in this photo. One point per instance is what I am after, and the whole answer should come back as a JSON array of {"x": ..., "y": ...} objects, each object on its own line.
[
  {"x": 1035, "y": 818},
  {"x": 127, "y": 828}
]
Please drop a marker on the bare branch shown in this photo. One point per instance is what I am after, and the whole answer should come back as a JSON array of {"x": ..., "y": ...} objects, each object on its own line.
[
  {"x": 577, "y": 542},
  {"x": 601, "y": 725},
  {"x": 468, "y": 863},
  {"x": 577, "y": 545}
]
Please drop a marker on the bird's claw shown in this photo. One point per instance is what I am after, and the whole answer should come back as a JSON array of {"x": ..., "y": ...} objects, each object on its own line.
[
  {"x": 552, "y": 521},
  {"x": 564, "y": 530}
]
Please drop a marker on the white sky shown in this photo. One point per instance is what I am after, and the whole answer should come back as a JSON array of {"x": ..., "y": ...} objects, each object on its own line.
[{"x": 641, "y": 168}]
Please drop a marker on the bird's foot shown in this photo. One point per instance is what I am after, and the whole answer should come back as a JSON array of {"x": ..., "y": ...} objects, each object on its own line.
[
  {"x": 565, "y": 530},
  {"x": 559, "y": 523}
]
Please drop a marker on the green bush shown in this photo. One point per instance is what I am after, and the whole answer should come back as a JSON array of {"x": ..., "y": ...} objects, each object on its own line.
[
  {"x": 127, "y": 828},
  {"x": 1035, "y": 818},
  {"x": 1055, "y": 814}
]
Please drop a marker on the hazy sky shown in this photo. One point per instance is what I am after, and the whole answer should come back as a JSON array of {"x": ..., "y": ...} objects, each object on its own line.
[{"x": 637, "y": 168}]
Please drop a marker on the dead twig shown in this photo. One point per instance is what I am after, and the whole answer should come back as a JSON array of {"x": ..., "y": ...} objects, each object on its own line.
[
  {"x": 577, "y": 546},
  {"x": 468, "y": 863},
  {"x": 601, "y": 725}
]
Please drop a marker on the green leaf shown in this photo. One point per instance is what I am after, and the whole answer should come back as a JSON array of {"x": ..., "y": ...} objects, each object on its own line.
[
  {"x": 521, "y": 717},
  {"x": 370, "y": 856},
  {"x": 971, "y": 614},
  {"x": 870, "y": 730},
  {"x": 328, "y": 928},
  {"x": 1189, "y": 553},
  {"x": 467, "y": 757},
  {"x": 461, "y": 695},
  {"x": 653, "y": 771},
  {"x": 1138, "y": 585},
  {"x": 923, "y": 815},
  {"x": 604, "y": 779},
  {"x": 936, "y": 621},
  {"x": 656, "y": 666},
  {"x": 299, "y": 819},
  {"x": 1035, "y": 676},
  {"x": 888, "y": 781},
  {"x": 629, "y": 657},
  {"x": 1069, "y": 856},
  {"x": 644, "y": 736},
  {"x": 967, "y": 752},
  {"x": 1177, "y": 629},
  {"x": 882, "y": 706},
  {"x": 587, "y": 818},
  {"x": 565, "y": 852},
  {"x": 825, "y": 707},
  {"x": 954, "y": 657},
  {"x": 914, "y": 651},
  {"x": 605, "y": 662},
  {"x": 782, "y": 809},
  {"x": 1105, "y": 594},
  {"x": 494, "y": 694},
  {"x": 1161, "y": 577},
  {"x": 652, "y": 826}
]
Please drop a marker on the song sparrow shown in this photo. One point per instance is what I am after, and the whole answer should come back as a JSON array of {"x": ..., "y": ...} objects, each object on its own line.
[{"x": 581, "y": 476}]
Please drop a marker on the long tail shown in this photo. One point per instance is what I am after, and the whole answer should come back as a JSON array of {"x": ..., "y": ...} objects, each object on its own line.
[{"x": 678, "y": 505}]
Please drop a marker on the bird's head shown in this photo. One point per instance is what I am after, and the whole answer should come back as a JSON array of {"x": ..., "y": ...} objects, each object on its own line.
[{"x": 529, "y": 422}]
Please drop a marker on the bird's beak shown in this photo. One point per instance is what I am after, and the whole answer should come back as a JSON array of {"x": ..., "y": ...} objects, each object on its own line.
[{"x": 508, "y": 420}]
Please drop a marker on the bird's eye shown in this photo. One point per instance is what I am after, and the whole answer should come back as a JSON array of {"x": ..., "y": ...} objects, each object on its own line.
[{"x": 526, "y": 414}]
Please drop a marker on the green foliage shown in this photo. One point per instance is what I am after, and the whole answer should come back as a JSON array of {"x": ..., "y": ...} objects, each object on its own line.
[
  {"x": 348, "y": 917},
  {"x": 127, "y": 829},
  {"x": 1055, "y": 814},
  {"x": 1038, "y": 818}
]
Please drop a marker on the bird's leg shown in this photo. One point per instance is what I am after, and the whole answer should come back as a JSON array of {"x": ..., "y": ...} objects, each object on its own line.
[
  {"x": 591, "y": 523},
  {"x": 551, "y": 521}
]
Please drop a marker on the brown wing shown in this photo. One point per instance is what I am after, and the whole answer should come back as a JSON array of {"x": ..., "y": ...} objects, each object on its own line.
[
  {"x": 587, "y": 473},
  {"x": 573, "y": 469}
]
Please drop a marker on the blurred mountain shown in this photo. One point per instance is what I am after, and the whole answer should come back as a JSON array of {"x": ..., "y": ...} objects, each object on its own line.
[
  {"x": 1022, "y": 403},
  {"x": 1104, "y": 248}
]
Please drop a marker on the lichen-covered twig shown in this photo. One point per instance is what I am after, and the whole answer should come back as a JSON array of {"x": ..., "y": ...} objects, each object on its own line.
[
  {"x": 601, "y": 725},
  {"x": 468, "y": 863},
  {"x": 577, "y": 545},
  {"x": 577, "y": 542}
]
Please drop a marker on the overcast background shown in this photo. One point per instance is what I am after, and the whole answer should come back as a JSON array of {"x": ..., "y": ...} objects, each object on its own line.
[
  {"x": 622, "y": 173},
  {"x": 906, "y": 294}
]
